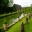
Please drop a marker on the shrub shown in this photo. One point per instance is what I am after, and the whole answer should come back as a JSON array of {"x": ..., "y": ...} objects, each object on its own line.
[{"x": 5, "y": 22}]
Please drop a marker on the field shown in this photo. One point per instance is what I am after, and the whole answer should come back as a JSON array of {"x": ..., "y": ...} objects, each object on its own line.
[
  {"x": 17, "y": 26},
  {"x": 28, "y": 27}
]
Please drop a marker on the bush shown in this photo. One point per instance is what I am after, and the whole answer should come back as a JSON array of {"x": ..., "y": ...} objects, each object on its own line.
[{"x": 5, "y": 22}]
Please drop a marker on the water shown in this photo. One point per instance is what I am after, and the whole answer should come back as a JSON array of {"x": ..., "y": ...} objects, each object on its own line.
[{"x": 10, "y": 19}]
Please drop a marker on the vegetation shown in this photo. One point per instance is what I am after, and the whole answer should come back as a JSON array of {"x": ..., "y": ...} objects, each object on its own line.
[
  {"x": 17, "y": 26},
  {"x": 28, "y": 27},
  {"x": 9, "y": 19},
  {"x": 4, "y": 7},
  {"x": 14, "y": 8},
  {"x": 5, "y": 22},
  {"x": 27, "y": 9},
  {"x": 4, "y": 3}
]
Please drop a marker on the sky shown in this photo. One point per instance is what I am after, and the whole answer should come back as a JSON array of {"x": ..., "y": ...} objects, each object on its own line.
[{"x": 23, "y": 3}]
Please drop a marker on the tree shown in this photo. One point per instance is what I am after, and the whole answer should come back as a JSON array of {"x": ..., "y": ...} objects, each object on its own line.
[
  {"x": 4, "y": 2},
  {"x": 14, "y": 8}
]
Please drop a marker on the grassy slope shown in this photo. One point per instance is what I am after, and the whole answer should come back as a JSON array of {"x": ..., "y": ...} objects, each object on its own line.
[
  {"x": 16, "y": 27},
  {"x": 28, "y": 27}
]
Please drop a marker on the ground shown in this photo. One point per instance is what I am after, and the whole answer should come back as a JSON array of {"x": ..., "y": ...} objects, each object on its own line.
[
  {"x": 17, "y": 26},
  {"x": 28, "y": 27}
]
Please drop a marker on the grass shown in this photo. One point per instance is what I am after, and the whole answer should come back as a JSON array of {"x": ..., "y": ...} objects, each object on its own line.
[
  {"x": 28, "y": 27},
  {"x": 16, "y": 27},
  {"x": 9, "y": 19}
]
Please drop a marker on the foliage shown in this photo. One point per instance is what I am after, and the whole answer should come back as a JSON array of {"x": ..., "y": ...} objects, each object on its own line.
[
  {"x": 27, "y": 9},
  {"x": 4, "y": 2},
  {"x": 9, "y": 18},
  {"x": 17, "y": 26},
  {"x": 5, "y": 22},
  {"x": 14, "y": 8}
]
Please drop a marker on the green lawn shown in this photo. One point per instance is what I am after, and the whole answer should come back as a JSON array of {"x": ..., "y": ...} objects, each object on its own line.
[
  {"x": 28, "y": 27},
  {"x": 16, "y": 27}
]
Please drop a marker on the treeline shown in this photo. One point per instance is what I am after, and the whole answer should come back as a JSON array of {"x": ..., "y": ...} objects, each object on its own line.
[
  {"x": 7, "y": 9},
  {"x": 27, "y": 9},
  {"x": 4, "y": 8}
]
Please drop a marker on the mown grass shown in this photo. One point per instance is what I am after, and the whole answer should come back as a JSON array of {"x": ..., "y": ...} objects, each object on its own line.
[
  {"x": 28, "y": 27},
  {"x": 17, "y": 26}
]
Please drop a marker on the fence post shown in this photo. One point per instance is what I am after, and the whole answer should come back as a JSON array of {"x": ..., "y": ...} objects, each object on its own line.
[
  {"x": 27, "y": 20},
  {"x": 22, "y": 27}
]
